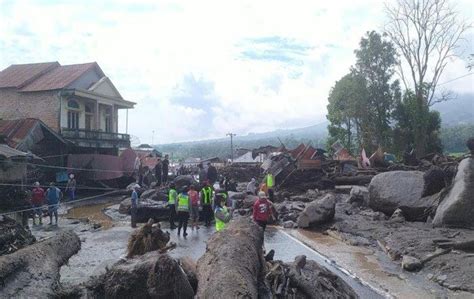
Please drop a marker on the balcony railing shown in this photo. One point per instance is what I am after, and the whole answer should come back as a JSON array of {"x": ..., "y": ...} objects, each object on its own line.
[{"x": 93, "y": 135}]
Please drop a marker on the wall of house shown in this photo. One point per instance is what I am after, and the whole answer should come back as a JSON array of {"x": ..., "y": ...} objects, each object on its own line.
[{"x": 43, "y": 105}]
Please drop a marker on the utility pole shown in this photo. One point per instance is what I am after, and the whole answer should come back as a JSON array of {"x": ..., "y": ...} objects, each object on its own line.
[
  {"x": 152, "y": 137},
  {"x": 231, "y": 146}
]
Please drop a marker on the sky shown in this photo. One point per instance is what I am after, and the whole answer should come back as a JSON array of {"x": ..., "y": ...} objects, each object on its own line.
[{"x": 201, "y": 69}]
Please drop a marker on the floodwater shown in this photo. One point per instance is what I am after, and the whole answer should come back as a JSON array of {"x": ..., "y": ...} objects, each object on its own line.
[{"x": 93, "y": 212}]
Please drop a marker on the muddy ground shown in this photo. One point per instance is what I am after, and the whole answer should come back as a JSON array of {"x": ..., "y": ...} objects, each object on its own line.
[{"x": 352, "y": 252}]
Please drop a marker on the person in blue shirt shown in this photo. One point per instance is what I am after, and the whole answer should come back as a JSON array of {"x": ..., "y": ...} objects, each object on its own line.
[
  {"x": 134, "y": 207},
  {"x": 53, "y": 197}
]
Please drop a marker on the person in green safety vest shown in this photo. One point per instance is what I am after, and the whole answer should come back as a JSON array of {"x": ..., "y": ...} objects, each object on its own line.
[
  {"x": 221, "y": 213},
  {"x": 183, "y": 207},
  {"x": 270, "y": 182},
  {"x": 172, "y": 197},
  {"x": 206, "y": 203}
]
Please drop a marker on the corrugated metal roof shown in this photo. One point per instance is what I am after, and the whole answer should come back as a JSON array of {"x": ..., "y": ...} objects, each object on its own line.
[
  {"x": 16, "y": 130},
  {"x": 60, "y": 77},
  {"x": 18, "y": 75},
  {"x": 8, "y": 152}
]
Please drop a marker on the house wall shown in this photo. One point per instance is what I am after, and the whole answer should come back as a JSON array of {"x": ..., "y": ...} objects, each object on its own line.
[{"x": 43, "y": 105}]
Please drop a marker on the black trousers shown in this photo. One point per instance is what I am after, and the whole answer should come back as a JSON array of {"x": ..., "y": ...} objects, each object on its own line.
[
  {"x": 271, "y": 194},
  {"x": 165, "y": 175},
  {"x": 183, "y": 218},
  {"x": 262, "y": 224},
  {"x": 207, "y": 213},
  {"x": 172, "y": 215}
]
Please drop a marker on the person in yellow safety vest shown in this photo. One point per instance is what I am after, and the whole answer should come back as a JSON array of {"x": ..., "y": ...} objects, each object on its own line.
[
  {"x": 206, "y": 203},
  {"x": 221, "y": 213},
  {"x": 172, "y": 197},
  {"x": 270, "y": 182},
  {"x": 183, "y": 208}
]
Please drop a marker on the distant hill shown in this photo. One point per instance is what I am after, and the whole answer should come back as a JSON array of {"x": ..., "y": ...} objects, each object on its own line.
[{"x": 459, "y": 111}]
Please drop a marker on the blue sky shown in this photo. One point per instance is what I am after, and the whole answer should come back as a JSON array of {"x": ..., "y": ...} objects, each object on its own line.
[{"x": 200, "y": 69}]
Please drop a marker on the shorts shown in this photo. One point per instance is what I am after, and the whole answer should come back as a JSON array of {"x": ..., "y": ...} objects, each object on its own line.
[
  {"x": 195, "y": 213},
  {"x": 53, "y": 208},
  {"x": 38, "y": 209}
]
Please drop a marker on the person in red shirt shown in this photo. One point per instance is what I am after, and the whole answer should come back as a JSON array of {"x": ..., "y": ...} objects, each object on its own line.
[
  {"x": 262, "y": 210},
  {"x": 194, "y": 197},
  {"x": 37, "y": 201}
]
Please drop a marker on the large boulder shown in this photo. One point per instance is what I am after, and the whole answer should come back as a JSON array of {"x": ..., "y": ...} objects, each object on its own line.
[
  {"x": 184, "y": 180},
  {"x": 403, "y": 190},
  {"x": 318, "y": 212},
  {"x": 457, "y": 207}
]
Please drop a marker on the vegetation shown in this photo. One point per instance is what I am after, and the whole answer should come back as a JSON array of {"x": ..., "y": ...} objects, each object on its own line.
[{"x": 454, "y": 138}]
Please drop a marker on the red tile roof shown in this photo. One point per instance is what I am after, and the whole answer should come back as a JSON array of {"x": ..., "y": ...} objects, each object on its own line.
[
  {"x": 18, "y": 75},
  {"x": 44, "y": 76}
]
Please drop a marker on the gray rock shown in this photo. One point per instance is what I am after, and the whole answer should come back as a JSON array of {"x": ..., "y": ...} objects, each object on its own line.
[
  {"x": 389, "y": 191},
  {"x": 289, "y": 224},
  {"x": 125, "y": 206},
  {"x": 249, "y": 201},
  {"x": 148, "y": 193},
  {"x": 318, "y": 212},
  {"x": 184, "y": 180},
  {"x": 359, "y": 194},
  {"x": 457, "y": 207},
  {"x": 397, "y": 216},
  {"x": 236, "y": 195},
  {"x": 411, "y": 263}
]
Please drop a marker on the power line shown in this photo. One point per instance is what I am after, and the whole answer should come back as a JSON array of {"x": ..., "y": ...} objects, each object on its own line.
[{"x": 460, "y": 77}]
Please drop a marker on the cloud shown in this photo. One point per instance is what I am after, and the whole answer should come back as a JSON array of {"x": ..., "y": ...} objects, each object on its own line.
[{"x": 199, "y": 69}]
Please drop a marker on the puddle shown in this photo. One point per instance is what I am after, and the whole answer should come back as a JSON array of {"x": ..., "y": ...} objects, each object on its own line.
[{"x": 94, "y": 213}]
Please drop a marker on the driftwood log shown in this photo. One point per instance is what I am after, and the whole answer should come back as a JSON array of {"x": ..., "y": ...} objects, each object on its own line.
[
  {"x": 33, "y": 271},
  {"x": 152, "y": 275},
  {"x": 232, "y": 263}
]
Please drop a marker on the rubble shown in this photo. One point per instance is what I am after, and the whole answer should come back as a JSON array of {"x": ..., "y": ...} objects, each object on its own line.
[
  {"x": 13, "y": 236},
  {"x": 242, "y": 173},
  {"x": 148, "y": 238}
]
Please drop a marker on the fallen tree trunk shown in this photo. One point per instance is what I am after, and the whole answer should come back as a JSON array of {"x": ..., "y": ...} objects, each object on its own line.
[
  {"x": 152, "y": 275},
  {"x": 33, "y": 271},
  {"x": 353, "y": 180},
  {"x": 232, "y": 263}
]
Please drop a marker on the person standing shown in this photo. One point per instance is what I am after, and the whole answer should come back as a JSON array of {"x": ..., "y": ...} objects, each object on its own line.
[
  {"x": 270, "y": 182},
  {"x": 262, "y": 210},
  {"x": 172, "y": 197},
  {"x": 37, "y": 201},
  {"x": 206, "y": 198},
  {"x": 71, "y": 187},
  {"x": 165, "y": 167},
  {"x": 194, "y": 197},
  {"x": 221, "y": 213},
  {"x": 183, "y": 208},
  {"x": 53, "y": 197},
  {"x": 202, "y": 175},
  {"x": 158, "y": 172},
  {"x": 211, "y": 173},
  {"x": 134, "y": 206}
]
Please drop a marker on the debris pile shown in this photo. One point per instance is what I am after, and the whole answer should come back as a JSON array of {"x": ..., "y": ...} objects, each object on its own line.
[
  {"x": 241, "y": 172},
  {"x": 13, "y": 236}
]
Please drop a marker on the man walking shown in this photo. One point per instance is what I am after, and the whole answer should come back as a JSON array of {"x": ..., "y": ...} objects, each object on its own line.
[
  {"x": 53, "y": 197},
  {"x": 194, "y": 197},
  {"x": 183, "y": 208},
  {"x": 211, "y": 174},
  {"x": 172, "y": 197},
  {"x": 261, "y": 210},
  {"x": 37, "y": 201},
  {"x": 270, "y": 182},
  {"x": 165, "y": 167},
  {"x": 206, "y": 197},
  {"x": 71, "y": 187}
]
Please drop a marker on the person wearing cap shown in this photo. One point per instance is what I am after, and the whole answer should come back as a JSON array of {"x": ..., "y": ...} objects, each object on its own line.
[
  {"x": 221, "y": 214},
  {"x": 183, "y": 208},
  {"x": 206, "y": 202},
  {"x": 71, "y": 187},
  {"x": 37, "y": 201},
  {"x": 172, "y": 198},
  {"x": 262, "y": 210},
  {"x": 53, "y": 197},
  {"x": 134, "y": 206}
]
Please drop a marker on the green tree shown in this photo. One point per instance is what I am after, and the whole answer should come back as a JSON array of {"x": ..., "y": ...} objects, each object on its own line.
[
  {"x": 376, "y": 63},
  {"x": 406, "y": 117}
]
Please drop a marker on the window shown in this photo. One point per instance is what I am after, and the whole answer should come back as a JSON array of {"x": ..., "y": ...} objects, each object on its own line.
[
  {"x": 73, "y": 119},
  {"x": 89, "y": 117},
  {"x": 73, "y": 114},
  {"x": 108, "y": 119}
]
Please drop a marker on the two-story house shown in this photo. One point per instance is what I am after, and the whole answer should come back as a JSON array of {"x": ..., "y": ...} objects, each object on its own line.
[{"x": 77, "y": 101}]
